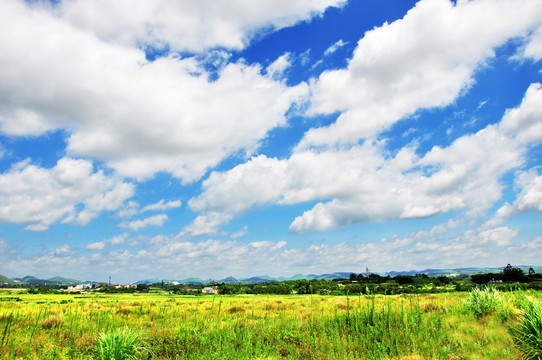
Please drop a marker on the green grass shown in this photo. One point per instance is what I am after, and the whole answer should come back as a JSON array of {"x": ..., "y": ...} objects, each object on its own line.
[
  {"x": 121, "y": 344},
  {"x": 527, "y": 332},
  {"x": 485, "y": 301},
  {"x": 252, "y": 327}
]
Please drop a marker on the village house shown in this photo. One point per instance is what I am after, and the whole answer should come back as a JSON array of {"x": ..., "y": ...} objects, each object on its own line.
[
  {"x": 210, "y": 290},
  {"x": 80, "y": 287}
]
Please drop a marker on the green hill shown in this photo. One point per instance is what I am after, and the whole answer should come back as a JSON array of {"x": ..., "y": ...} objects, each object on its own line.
[
  {"x": 59, "y": 280},
  {"x": 32, "y": 280},
  {"x": 5, "y": 279}
]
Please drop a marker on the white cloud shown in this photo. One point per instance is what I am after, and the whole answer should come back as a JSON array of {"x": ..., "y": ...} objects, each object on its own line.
[
  {"x": 424, "y": 60},
  {"x": 336, "y": 46},
  {"x": 155, "y": 220},
  {"x": 64, "y": 250},
  {"x": 130, "y": 209},
  {"x": 193, "y": 25},
  {"x": 363, "y": 184},
  {"x": 240, "y": 233},
  {"x": 99, "y": 245},
  {"x": 276, "y": 68},
  {"x": 525, "y": 121},
  {"x": 162, "y": 205},
  {"x": 174, "y": 258},
  {"x": 529, "y": 198},
  {"x": 139, "y": 117},
  {"x": 118, "y": 240},
  {"x": 114, "y": 241},
  {"x": 257, "y": 182},
  {"x": 533, "y": 47},
  {"x": 69, "y": 192},
  {"x": 207, "y": 224},
  {"x": 533, "y": 247}
]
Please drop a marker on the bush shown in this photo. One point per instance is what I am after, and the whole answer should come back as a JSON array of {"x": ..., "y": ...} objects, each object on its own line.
[
  {"x": 527, "y": 333},
  {"x": 482, "y": 302},
  {"x": 121, "y": 344}
]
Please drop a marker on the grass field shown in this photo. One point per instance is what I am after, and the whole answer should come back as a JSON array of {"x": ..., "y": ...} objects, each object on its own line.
[{"x": 436, "y": 326}]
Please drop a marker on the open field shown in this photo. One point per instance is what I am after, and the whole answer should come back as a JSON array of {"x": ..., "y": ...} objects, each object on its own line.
[{"x": 262, "y": 327}]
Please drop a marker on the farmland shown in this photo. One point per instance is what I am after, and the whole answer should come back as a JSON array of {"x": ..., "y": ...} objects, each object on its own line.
[{"x": 436, "y": 326}]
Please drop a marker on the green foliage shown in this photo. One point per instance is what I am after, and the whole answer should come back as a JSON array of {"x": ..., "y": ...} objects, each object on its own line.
[
  {"x": 121, "y": 344},
  {"x": 527, "y": 333},
  {"x": 513, "y": 274},
  {"x": 482, "y": 302}
]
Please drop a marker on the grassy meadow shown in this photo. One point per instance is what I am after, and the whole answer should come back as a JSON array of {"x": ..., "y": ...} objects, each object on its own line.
[{"x": 163, "y": 326}]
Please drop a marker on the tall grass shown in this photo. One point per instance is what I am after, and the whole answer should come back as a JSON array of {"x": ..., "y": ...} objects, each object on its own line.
[
  {"x": 485, "y": 301},
  {"x": 527, "y": 332},
  {"x": 121, "y": 344}
]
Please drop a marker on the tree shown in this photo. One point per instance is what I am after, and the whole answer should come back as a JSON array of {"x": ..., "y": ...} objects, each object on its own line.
[
  {"x": 404, "y": 279},
  {"x": 512, "y": 274}
]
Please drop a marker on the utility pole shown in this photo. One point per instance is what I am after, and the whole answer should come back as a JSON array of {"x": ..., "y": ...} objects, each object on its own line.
[{"x": 109, "y": 279}]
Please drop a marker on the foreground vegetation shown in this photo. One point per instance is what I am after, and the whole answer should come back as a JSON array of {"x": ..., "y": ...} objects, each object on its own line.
[{"x": 168, "y": 326}]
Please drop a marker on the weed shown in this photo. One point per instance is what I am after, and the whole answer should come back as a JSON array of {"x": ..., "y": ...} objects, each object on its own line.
[
  {"x": 482, "y": 302},
  {"x": 52, "y": 323},
  {"x": 121, "y": 344},
  {"x": 527, "y": 332}
]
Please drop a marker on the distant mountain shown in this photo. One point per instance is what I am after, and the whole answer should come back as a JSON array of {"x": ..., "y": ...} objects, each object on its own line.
[
  {"x": 59, "y": 280},
  {"x": 5, "y": 279},
  {"x": 337, "y": 275},
  {"x": 258, "y": 279},
  {"x": 194, "y": 281},
  {"x": 297, "y": 277},
  {"x": 148, "y": 281},
  {"x": 31, "y": 280}
]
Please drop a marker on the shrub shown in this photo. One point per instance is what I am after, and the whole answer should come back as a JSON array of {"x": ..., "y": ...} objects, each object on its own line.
[
  {"x": 482, "y": 302},
  {"x": 527, "y": 333},
  {"x": 121, "y": 344}
]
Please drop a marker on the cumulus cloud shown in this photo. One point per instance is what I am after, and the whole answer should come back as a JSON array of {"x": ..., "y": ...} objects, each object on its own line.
[
  {"x": 362, "y": 184},
  {"x": 155, "y": 220},
  {"x": 529, "y": 199},
  {"x": 276, "y": 68},
  {"x": 70, "y": 192},
  {"x": 424, "y": 60},
  {"x": 533, "y": 47},
  {"x": 193, "y": 25},
  {"x": 207, "y": 224},
  {"x": 64, "y": 250},
  {"x": 525, "y": 121},
  {"x": 140, "y": 117},
  {"x": 99, "y": 245},
  {"x": 114, "y": 241}
]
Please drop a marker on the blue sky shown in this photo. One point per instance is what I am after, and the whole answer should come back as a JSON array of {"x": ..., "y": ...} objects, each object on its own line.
[{"x": 202, "y": 139}]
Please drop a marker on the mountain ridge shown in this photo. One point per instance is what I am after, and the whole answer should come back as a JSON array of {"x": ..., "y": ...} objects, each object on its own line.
[{"x": 59, "y": 280}]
